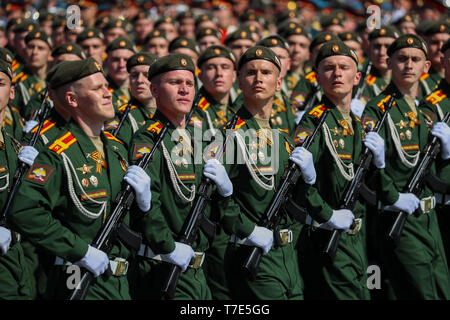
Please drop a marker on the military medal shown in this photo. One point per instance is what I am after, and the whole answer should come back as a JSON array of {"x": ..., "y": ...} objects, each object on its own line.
[
  {"x": 402, "y": 136},
  {"x": 254, "y": 156},
  {"x": 94, "y": 181},
  {"x": 336, "y": 131},
  {"x": 408, "y": 134},
  {"x": 347, "y": 130},
  {"x": 261, "y": 156},
  {"x": 97, "y": 157},
  {"x": 85, "y": 182},
  {"x": 85, "y": 169},
  {"x": 279, "y": 121},
  {"x": 412, "y": 119},
  {"x": 341, "y": 143},
  {"x": 402, "y": 124},
  {"x": 123, "y": 165}
]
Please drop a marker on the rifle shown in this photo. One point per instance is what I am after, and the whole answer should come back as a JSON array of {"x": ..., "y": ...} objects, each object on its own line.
[
  {"x": 313, "y": 99},
  {"x": 363, "y": 86},
  {"x": 122, "y": 119},
  {"x": 22, "y": 167},
  {"x": 417, "y": 180},
  {"x": 356, "y": 185},
  {"x": 114, "y": 227},
  {"x": 195, "y": 220},
  {"x": 273, "y": 213}
]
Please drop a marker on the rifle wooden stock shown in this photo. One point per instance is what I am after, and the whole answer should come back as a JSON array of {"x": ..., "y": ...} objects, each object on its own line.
[
  {"x": 273, "y": 213},
  {"x": 356, "y": 185},
  {"x": 417, "y": 181}
]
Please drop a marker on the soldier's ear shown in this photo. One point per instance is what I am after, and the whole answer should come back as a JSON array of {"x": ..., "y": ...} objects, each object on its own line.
[
  {"x": 357, "y": 78},
  {"x": 427, "y": 66},
  {"x": 71, "y": 99},
  {"x": 12, "y": 93}
]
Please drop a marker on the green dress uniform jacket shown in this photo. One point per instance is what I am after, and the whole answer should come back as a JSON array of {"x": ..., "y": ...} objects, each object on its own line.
[
  {"x": 13, "y": 122},
  {"x": 336, "y": 150},
  {"x": 416, "y": 266},
  {"x": 254, "y": 186},
  {"x": 136, "y": 118},
  {"x": 63, "y": 202},
  {"x": 175, "y": 176},
  {"x": 375, "y": 84},
  {"x": 16, "y": 281},
  {"x": 26, "y": 85},
  {"x": 119, "y": 98},
  {"x": 434, "y": 107},
  {"x": 429, "y": 81},
  {"x": 33, "y": 104},
  {"x": 304, "y": 91}
]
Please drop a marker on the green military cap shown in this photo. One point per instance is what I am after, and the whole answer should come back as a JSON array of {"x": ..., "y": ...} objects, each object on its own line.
[
  {"x": 59, "y": 22},
  {"x": 39, "y": 35},
  {"x": 156, "y": 33},
  {"x": 422, "y": 26},
  {"x": 287, "y": 15},
  {"x": 216, "y": 52},
  {"x": 203, "y": 32},
  {"x": 6, "y": 55},
  {"x": 13, "y": 22},
  {"x": 436, "y": 27},
  {"x": 89, "y": 33},
  {"x": 70, "y": 71},
  {"x": 385, "y": 32},
  {"x": 141, "y": 15},
  {"x": 115, "y": 23},
  {"x": 335, "y": 48},
  {"x": 102, "y": 21},
  {"x": 164, "y": 19},
  {"x": 241, "y": 33},
  {"x": 46, "y": 16},
  {"x": 408, "y": 41},
  {"x": 26, "y": 25},
  {"x": 445, "y": 46},
  {"x": 405, "y": 18},
  {"x": 251, "y": 15},
  {"x": 68, "y": 48},
  {"x": 141, "y": 58},
  {"x": 289, "y": 28},
  {"x": 121, "y": 43},
  {"x": 185, "y": 15},
  {"x": 252, "y": 28},
  {"x": 171, "y": 62},
  {"x": 259, "y": 52},
  {"x": 183, "y": 42},
  {"x": 330, "y": 20},
  {"x": 322, "y": 37},
  {"x": 6, "y": 69},
  {"x": 274, "y": 41},
  {"x": 204, "y": 17},
  {"x": 348, "y": 36}
]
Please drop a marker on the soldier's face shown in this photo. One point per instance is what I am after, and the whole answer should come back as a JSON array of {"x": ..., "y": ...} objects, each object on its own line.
[
  {"x": 114, "y": 33},
  {"x": 117, "y": 65},
  {"x": 187, "y": 27},
  {"x": 298, "y": 49},
  {"x": 38, "y": 53},
  {"x": 139, "y": 83},
  {"x": 285, "y": 59},
  {"x": 435, "y": 43},
  {"x": 208, "y": 41},
  {"x": 169, "y": 29},
  {"x": 240, "y": 46},
  {"x": 378, "y": 52},
  {"x": 407, "y": 66},
  {"x": 259, "y": 80},
  {"x": 6, "y": 91},
  {"x": 337, "y": 75},
  {"x": 93, "y": 100},
  {"x": 19, "y": 44},
  {"x": 218, "y": 75},
  {"x": 95, "y": 48},
  {"x": 158, "y": 46},
  {"x": 142, "y": 27},
  {"x": 174, "y": 92},
  {"x": 408, "y": 27}
]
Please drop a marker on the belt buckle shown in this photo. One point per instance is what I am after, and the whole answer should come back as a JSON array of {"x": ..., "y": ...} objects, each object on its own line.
[
  {"x": 357, "y": 227},
  {"x": 121, "y": 267},
  {"x": 426, "y": 204},
  {"x": 286, "y": 236},
  {"x": 199, "y": 257}
]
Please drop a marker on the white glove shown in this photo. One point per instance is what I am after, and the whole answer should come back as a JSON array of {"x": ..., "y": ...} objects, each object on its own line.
[
  {"x": 341, "y": 219},
  {"x": 96, "y": 261},
  {"x": 139, "y": 180},
  {"x": 299, "y": 116},
  {"x": 261, "y": 237},
  {"x": 407, "y": 202},
  {"x": 181, "y": 255},
  {"x": 217, "y": 173},
  {"x": 304, "y": 159},
  {"x": 357, "y": 107},
  {"x": 27, "y": 155},
  {"x": 29, "y": 125},
  {"x": 5, "y": 240},
  {"x": 442, "y": 131},
  {"x": 375, "y": 143}
]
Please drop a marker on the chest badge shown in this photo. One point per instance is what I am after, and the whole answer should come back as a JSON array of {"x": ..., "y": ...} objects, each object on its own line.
[{"x": 346, "y": 127}]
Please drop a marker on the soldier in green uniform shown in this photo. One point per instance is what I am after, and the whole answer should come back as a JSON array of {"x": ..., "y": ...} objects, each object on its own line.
[
  {"x": 415, "y": 266},
  {"x": 176, "y": 177},
  {"x": 32, "y": 80},
  {"x": 186, "y": 24},
  {"x": 207, "y": 37},
  {"x": 93, "y": 44},
  {"x": 168, "y": 25},
  {"x": 68, "y": 192},
  {"x": 306, "y": 88},
  {"x": 335, "y": 150},
  {"x": 255, "y": 166},
  {"x": 186, "y": 46},
  {"x": 283, "y": 116},
  {"x": 157, "y": 43},
  {"x": 142, "y": 25},
  {"x": 299, "y": 41},
  {"x": 15, "y": 276},
  {"x": 119, "y": 51},
  {"x": 143, "y": 105},
  {"x": 113, "y": 29},
  {"x": 354, "y": 42},
  {"x": 21, "y": 30},
  {"x": 435, "y": 35},
  {"x": 435, "y": 106}
]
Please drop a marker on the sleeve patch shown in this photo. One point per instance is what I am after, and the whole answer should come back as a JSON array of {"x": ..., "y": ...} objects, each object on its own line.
[{"x": 39, "y": 174}]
